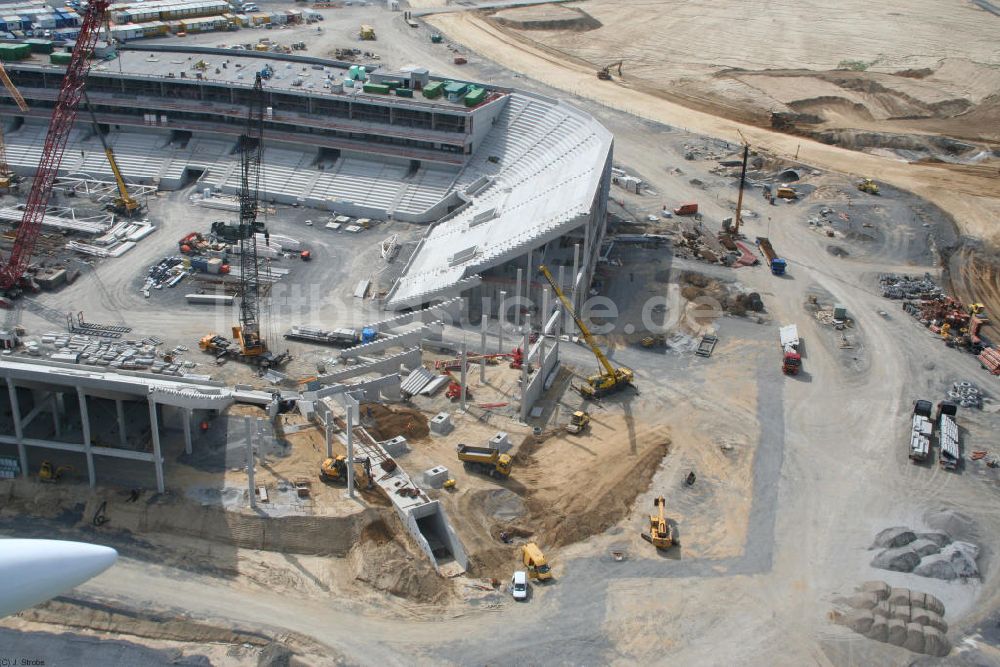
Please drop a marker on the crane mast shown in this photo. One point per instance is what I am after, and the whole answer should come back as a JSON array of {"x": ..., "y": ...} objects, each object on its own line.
[
  {"x": 125, "y": 204},
  {"x": 251, "y": 149},
  {"x": 60, "y": 124}
]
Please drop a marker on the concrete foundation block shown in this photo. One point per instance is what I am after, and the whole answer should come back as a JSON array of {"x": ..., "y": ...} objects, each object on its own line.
[
  {"x": 395, "y": 447},
  {"x": 501, "y": 442},
  {"x": 441, "y": 423},
  {"x": 436, "y": 476}
]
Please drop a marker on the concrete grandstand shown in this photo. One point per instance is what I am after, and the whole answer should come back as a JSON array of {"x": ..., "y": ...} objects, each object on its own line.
[{"x": 515, "y": 180}]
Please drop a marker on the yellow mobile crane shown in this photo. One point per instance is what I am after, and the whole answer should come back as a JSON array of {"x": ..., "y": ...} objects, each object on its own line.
[
  {"x": 601, "y": 384},
  {"x": 124, "y": 204},
  {"x": 7, "y": 177}
]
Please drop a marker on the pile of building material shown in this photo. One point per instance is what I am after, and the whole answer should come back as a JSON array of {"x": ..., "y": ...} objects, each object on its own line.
[
  {"x": 126, "y": 355},
  {"x": 966, "y": 394},
  {"x": 906, "y": 618},
  {"x": 909, "y": 287}
]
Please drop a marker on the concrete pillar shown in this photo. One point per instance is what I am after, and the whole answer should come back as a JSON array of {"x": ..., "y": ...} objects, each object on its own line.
[
  {"x": 587, "y": 241},
  {"x": 329, "y": 435},
  {"x": 501, "y": 319},
  {"x": 187, "y": 430},
  {"x": 248, "y": 422},
  {"x": 120, "y": 407},
  {"x": 576, "y": 272},
  {"x": 517, "y": 299},
  {"x": 525, "y": 342},
  {"x": 465, "y": 367},
  {"x": 56, "y": 423},
  {"x": 154, "y": 425},
  {"x": 85, "y": 425},
  {"x": 482, "y": 350},
  {"x": 349, "y": 402},
  {"x": 546, "y": 298},
  {"x": 15, "y": 408},
  {"x": 527, "y": 277}
]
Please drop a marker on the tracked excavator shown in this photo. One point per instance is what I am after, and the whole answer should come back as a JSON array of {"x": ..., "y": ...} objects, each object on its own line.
[{"x": 660, "y": 534}]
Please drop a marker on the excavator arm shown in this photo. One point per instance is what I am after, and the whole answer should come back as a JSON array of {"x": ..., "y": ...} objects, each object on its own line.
[{"x": 609, "y": 369}]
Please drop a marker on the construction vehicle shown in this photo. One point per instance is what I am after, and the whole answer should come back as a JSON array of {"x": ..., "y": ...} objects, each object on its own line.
[
  {"x": 341, "y": 337},
  {"x": 791, "y": 359},
  {"x": 335, "y": 470},
  {"x": 601, "y": 384},
  {"x": 436, "y": 38},
  {"x": 604, "y": 74},
  {"x": 124, "y": 204},
  {"x": 868, "y": 185},
  {"x": 49, "y": 474},
  {"x": 659, "y": 340},
  {"x": 367, "y": 33},
  {"x": 534, "y": 561},
  {"x": 7, "y": 176},
  {"x": 578, "y": 422},
  {"x": 948, "y": 435},
  {"x": 248, "y": 345},
  {"x": 777, "y": 264},
  {"x": 785, "y": 192},
  {"x": 660, "y": 534},
  {"x": 921, "y": 429},
  {"x": 686, "y": 209},
  {"x": 61, "y": 124},
  {"x": 485, "y": 460}
]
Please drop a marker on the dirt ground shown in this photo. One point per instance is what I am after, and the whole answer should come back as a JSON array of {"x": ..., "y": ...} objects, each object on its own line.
[{"x": 968, "y": 192}]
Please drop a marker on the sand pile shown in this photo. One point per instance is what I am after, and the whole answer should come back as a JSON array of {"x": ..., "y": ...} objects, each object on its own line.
[
  {"x": 385, "y": 423},
  {"x": 898, "y": 616},
  {"x": 384, "y": 563},
  {"x": 546, "y": 17}
]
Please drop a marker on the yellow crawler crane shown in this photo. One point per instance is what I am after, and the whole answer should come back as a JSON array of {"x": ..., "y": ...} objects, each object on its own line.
[
  {"x": 601, "y": 384},
  {"x": 7, "y": 176}
]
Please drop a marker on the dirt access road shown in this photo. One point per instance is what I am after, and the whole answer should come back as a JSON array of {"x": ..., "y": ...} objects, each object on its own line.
[{"x": 969, "y": 193}]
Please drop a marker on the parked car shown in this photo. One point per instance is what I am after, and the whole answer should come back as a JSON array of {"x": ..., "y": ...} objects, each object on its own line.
[{"x": 519, "y": 585}]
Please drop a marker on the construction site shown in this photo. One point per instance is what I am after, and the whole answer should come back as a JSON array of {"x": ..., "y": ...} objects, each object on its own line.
[{"x": 395, "y": 332}]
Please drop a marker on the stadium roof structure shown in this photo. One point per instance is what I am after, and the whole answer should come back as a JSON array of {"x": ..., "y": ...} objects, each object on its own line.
[{"x": 534, "y": 179}]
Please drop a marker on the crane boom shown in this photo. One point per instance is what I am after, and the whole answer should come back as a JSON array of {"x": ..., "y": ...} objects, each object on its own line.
[
  {"x": 126, "y": 203},
  {"x": 250, "y": 148},
  {"x": 12, "y": 89},
  {"x": 579, "y": 323},
  {"x": 55, "y": 144}
]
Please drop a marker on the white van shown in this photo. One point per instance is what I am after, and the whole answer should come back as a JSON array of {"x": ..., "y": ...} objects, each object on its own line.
[{"x": 519, "y": 585}]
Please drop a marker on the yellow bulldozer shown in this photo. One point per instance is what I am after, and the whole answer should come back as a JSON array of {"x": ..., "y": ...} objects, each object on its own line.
[
  {"x": 660, "y": 534},
  {"x": 868, "y": 185},
  {"x": 578, "y": 422}
]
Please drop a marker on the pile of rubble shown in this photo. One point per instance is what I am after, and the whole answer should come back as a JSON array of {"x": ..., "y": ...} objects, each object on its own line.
[
  {"x": 909, "y": 287},
  {"x": 910, "y": 619}
]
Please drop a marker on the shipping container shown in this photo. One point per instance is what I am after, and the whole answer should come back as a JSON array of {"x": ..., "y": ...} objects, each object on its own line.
[
  {"x": 40, "y": 45},
  {"x": 404, "y": 92},
  {"x": 433, "y": 90},
  {"x": 376, "y": 88},
  {"x": 12, "y": 52},
  {"x": 475, "y": 96}
]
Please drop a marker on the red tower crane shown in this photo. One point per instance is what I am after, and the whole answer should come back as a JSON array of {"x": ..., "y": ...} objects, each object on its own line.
[{"x": 60, "y": 125}]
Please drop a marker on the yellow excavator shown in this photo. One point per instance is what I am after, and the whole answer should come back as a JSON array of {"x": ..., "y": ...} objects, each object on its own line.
[
  {"x": 7, "y": 176},
  {"x": 124, "y": 204},
  {"x": 49, "y": 474},
  {"x": 660, "y": 534},
  {"x": 335, "y": 470},
  {"x": 601, "y": 384},
  {"x": 604, "y": 74},
  {"x": 578, "y": 422}
]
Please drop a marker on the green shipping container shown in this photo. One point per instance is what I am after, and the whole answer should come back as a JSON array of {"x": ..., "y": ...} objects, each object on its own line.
[
  {"x": 455, "y": 89},
  {"x": 376, "y": 88},
  {"x": 475, "y": 96},
  {"x": 40, "y": 45},
  {"x": 404, "y": 92},
  {"x": 60, "y": 58},
  {"x": 432, "y": 90},
  {"x": 11, "y": 52}
]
